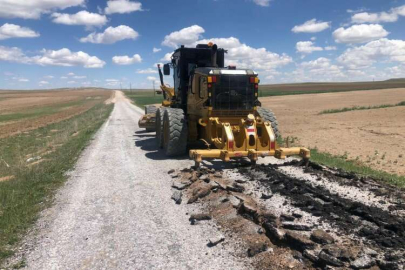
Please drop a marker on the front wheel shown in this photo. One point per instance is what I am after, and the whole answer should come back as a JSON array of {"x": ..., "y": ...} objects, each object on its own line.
[
  {"x": 268, "y": 115},
  {"x": 159, "y": 126},
  {"x": 174, "y": 132}
]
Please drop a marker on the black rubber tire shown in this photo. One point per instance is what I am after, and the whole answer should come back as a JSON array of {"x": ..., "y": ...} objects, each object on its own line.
[
  {"x": 150, "y": 109},
  {"x": 174, "y": 132},
  {"x": 268, "y": 115},
  {"x": 159, "y": 126}
]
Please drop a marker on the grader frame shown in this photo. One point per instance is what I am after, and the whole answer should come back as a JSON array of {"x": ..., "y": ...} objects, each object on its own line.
[{"x": 228, "y": 133}]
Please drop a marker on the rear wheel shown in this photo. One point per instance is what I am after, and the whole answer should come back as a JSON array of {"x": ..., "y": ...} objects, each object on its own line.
[
  {"x": 268, "y": 115},
  {"x": 174, "y": 132},
  {"x": 159, "y": 127}
]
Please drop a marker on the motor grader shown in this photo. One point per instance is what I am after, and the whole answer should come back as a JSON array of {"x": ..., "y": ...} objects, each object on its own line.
[{"x": 216, "y": 105}]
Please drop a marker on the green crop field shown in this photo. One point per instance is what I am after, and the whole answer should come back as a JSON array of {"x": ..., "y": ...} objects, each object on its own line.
[
  {"x": 144, "y": 97},
  {"x": 316, "y": 88}
]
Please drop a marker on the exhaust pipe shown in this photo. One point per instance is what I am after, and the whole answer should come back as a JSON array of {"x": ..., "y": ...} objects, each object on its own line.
[{"x": 214, "y": 50}]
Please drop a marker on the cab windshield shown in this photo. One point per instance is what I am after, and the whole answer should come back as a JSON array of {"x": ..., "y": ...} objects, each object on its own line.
[{"x": 233, "y": 92}]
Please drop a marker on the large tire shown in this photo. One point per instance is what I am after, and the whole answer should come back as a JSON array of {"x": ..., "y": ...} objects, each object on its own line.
[
  {"x": 150, "y": 109},
  {"x": 159, "y": 126},
  {"x": 268, "y": 115},
  {"x": 174, "y": 132}
]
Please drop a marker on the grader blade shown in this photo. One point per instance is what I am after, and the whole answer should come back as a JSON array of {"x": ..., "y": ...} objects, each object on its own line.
[
  {"x": 148, "y": 121},
  {"x": 252, "y": 139}
]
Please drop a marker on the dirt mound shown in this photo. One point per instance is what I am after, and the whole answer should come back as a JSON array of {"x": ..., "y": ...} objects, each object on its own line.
[{"x": 287, "y": 221}]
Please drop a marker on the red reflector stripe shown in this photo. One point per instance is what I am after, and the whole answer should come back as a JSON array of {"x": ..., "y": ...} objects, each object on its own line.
[
  {"x": 251, "y": 130},
  {"x": 252, "y": 79},
  {"x": 214, "y": 79},
  {"x": 272, "y": 145},
  {"x": 230, "y": 144}
]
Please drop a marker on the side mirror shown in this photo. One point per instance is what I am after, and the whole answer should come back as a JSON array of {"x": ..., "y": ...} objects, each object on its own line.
[{"x": 166, "y": 69}]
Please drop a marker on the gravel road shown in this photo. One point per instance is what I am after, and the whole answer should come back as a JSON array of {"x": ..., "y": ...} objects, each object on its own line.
[{"x": 115, "y": 211}]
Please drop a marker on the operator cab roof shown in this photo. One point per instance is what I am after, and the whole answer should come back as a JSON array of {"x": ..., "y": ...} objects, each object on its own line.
[{"x": 224, "y": 71}]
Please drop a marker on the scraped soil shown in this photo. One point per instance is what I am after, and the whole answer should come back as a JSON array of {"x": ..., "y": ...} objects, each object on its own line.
[
  {"x": 374, "y": 137},
  {"x": 20, "y": 101},
  {"x": 285, "y": 216}
]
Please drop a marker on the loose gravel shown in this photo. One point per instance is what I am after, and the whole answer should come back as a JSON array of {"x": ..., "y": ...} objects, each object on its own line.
[{"x": 116, "y": 211}]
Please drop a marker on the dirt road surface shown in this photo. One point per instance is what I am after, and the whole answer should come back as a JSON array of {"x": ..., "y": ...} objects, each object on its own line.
[{"x": 115, "y": 211}]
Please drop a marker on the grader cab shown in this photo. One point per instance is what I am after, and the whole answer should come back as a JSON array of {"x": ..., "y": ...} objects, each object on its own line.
[{"x": 217, "y": 105}]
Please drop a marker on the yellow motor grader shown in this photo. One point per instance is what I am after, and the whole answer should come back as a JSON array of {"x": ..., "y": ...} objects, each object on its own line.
[{"x": 214, "y": 104}]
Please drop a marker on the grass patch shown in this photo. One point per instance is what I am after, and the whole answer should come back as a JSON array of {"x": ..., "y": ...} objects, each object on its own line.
[
  {"x": 357, "y": 167},
  {"x": 59, "y": 146},
  {"x": 144, "y": 97},
  {"x": 360, "y": 108}
]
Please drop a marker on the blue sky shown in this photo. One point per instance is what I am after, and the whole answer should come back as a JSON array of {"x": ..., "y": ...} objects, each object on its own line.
[{"x": 78, "y": 43}]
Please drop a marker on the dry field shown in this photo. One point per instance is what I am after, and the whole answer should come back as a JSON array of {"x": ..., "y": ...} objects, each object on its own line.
[
  {"x": 375, "y": 137},
  {"x": 21, "y": 111}
]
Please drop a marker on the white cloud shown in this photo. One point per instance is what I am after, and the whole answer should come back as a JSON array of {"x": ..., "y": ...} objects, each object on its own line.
[
  {"x": 122, "y": 6},
  {"x": 80, "y": 18},
  {"x": 62, "y": 57},
  {"x": 155, "y": 50},
  {"x": 307, "y": 47},
  {"x": 15, "y": 31},
  {"x": 43, "y": 82},
  {"x": 49, "y": 77},
  {"x": 239, "y": 54},
  {"x": 23, "y": 80},
  {"x": 151, "y": 78},
  {"x": 70, "y": 74},
  {"x": 63, "y": 77},
  {"x": 13, "y": 54},
  {"x": 244, "y": 56},
  {"x": 311, "y": 26},
  {"x": 396, "y": 71},
  {"x": 112, "y": 82},
  {"x": 71, "y": 82},
  {"x": 330, "y": 48},
  {"x": 379, "y": 50},
  {"x": 111, "y": 35},
  {"x": 390, "y": 16},
  {"x": 156, "y": 64},
  {"x": 167, "y": 57},
  {"x": 185, "y": 36},
  {"x": 79, "y": 77},
  {"x": 320, "y": 69},
  {"x": 126, "y": 60},
  {"x": 359, "y": 33},
  {"x": 33, "y": 9},
  {"x": 147, "y": 71},
  {"x": 263, "y": 3}
]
